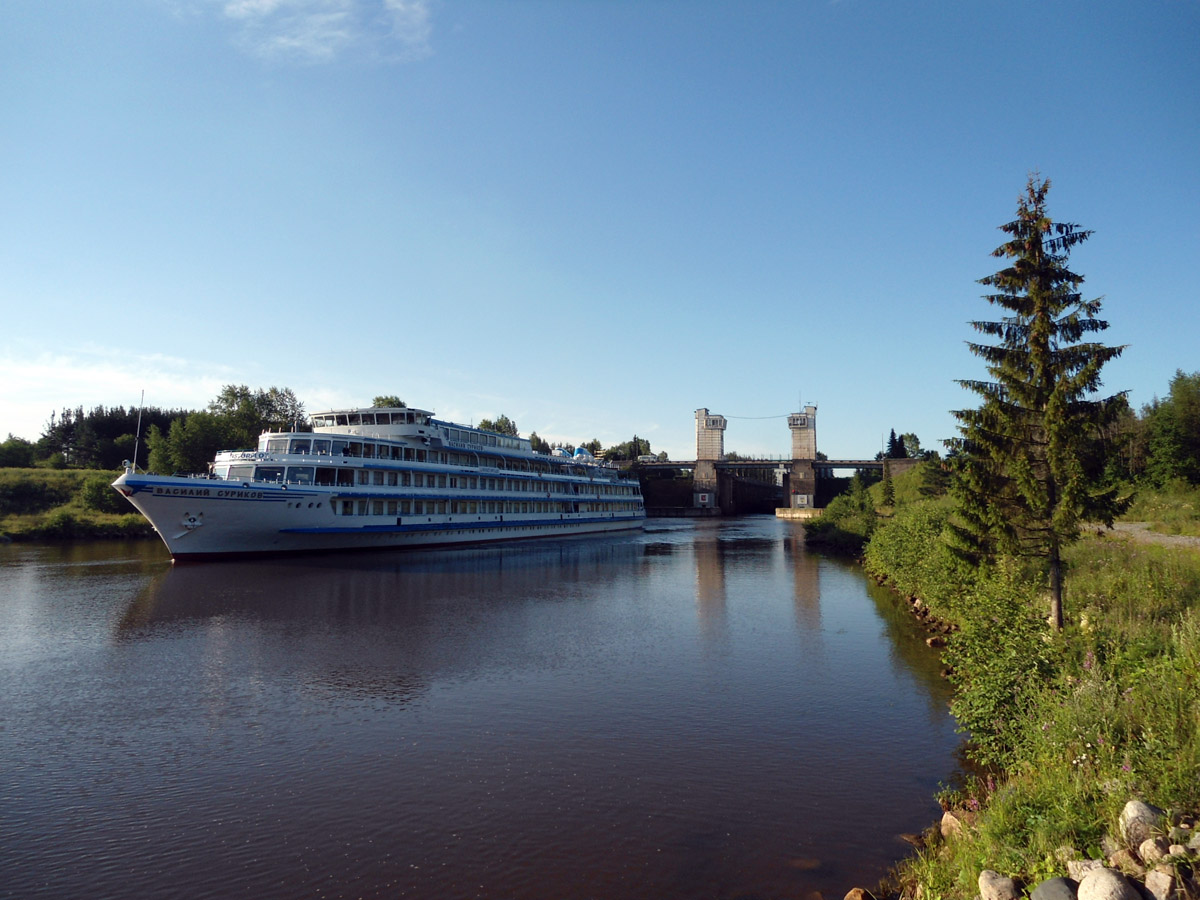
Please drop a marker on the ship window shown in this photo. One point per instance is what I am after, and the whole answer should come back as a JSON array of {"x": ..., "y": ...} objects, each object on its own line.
[
  {"x": 326, "y": 476},
  {"x": 406, "y": 479},
  {"x": 354, "y": 419},
  {"x": 441, "y": 481},
  {"x": 347, "y": 507},
  {"x": 354, "y": 448},
  {"x": 240, "y": 473},
  {"x": 418, "y": 507},
  {"x": 341, "y": 419},
  {"x": 419, "y": 480},
  {"x": 405, "y": 507},
  {"x": 268, "y": 473},
  {"x": 377, "y": 507},
  {"x": 441, "y": 507},
  {"x": 377, "y": 478},
  {"x": 368, "y": 451},
  {"x": 300, "y": 446},
  {"x": 397, "y": 453},
  {"x": 393, "y": 479},
  {"x": 362, "y": 507},
  {"x": 321, "y": 448},
  {"x": 391, "y": 507},
  {"x": 300, "y": 474},
  {"x": 364, "y": 477},
  {"x": 277, "y": 445},
  {"x": 339, "y": 448},
  {"x": 345, "y": 477}
]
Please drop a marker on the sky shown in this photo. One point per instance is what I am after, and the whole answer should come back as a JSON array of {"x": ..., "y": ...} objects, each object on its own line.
[{"x": 594, "y": 217}]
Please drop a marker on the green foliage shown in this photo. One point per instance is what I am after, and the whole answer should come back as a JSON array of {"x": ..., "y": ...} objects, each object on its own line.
[
  {"x": 1026, "y": 474},
  {"x": 629, "y": 450},
  {"x": 539, "y": 444},
  {"x": 1172, "y": 509},
  {"x": 1173, "y": 432},
  {"x": 910, "y": 551},
  {"x": 48, "y": 504},
  {"x": 388, "y": 400},
  {"x": 846, "y": 524},
  {"x": 244, "y": 414},
  {"x": 16, "y": 453},
  {"x": 889, "y": 486},
  {"x": 99, "y": 438},
  {"x": 1081, "y": 721},
  {"x": 502, "y": 424},
  {"x": 97, "y": 494},
  {"x": 36, "y": 490},
  {"x": 999, "y": 660}
]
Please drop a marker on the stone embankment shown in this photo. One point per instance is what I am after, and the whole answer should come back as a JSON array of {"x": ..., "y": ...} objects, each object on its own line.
[
  {"x": 1156, "y": 857},
  {"x": 938, "y": 629}
]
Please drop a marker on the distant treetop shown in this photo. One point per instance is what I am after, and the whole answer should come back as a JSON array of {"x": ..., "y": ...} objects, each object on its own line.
[{"x": 388, "y": 400}]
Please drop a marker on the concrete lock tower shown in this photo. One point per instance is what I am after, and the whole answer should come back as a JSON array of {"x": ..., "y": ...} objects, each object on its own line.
[
  {"x": 803, "y": 485},
  {"x": 710, "y": 449}
]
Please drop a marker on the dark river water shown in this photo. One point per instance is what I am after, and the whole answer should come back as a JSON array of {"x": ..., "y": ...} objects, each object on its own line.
[{"x": 702, "y": 710}]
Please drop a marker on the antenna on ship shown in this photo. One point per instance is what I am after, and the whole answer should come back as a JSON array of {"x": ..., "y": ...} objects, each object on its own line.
[{"x": 138, "y": 437}]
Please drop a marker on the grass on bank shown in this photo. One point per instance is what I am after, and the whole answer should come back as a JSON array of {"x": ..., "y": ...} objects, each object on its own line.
[
  {"x": 65, "y": 504},
  {"x": 1068, "y": 727},
  {"x": 1172, "y": 509}
]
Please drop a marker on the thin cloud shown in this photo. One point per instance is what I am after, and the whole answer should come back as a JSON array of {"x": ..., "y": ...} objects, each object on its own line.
[
  {"x": 321, "y": 31},
  {"x": 45, "y": 383}
]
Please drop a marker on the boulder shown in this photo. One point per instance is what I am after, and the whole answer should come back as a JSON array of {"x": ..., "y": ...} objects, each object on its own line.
[
  {"x": 1160, "y": 884},
  {"x": 859, "y": 894},
  {"x": 1178, "y": 850},
  {"x": 951, "y": 825},
  {"x": 1127, "y": 863},
  {"x": 1056, "y": 889},
  {"x": 1139, "y": 821},
  {"x": 994, "y": 886},
  {"x": 1078, "y": 869},
  {"x": 1152, "y": 849},
  {"x": 1106, "y": 884}
]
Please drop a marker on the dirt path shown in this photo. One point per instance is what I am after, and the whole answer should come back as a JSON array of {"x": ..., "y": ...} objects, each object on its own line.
[{"x": 1141, "y": 533}]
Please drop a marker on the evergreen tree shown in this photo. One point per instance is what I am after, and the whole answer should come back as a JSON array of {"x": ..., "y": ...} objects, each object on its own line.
[
  {"x": 889, "y": 488},
  {"x": 1021, "y": 474}
]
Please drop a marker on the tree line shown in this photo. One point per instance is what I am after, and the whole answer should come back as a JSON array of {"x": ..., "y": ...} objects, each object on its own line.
[{"x": 180, "y": 440}]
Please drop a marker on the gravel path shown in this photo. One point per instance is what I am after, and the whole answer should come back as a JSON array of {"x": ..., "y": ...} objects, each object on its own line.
[{"x": 1141, "y": 533}]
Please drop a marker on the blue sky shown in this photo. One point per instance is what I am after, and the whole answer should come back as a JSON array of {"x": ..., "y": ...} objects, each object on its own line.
[{"x": 594, "y": 217}]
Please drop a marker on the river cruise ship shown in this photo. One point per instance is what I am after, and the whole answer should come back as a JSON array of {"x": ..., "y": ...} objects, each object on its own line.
[{"x": 381, "y": 478}]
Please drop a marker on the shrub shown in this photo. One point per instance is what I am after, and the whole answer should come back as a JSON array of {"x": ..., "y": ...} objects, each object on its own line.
[{"x": 96, "y": 493}]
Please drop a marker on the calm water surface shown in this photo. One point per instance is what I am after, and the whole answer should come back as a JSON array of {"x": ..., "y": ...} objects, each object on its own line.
[{"x": 701, "y": 710}]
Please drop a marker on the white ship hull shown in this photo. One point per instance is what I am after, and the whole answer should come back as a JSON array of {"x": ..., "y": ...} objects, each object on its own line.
[
  {"x": 200, "y": 518},
  {"x": 416, "y": 483}
]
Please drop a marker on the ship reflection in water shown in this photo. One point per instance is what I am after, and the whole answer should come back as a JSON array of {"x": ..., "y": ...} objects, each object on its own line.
[{"x": 700, "y": 710}]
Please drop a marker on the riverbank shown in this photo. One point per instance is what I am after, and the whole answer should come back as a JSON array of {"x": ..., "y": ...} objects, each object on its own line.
[
  {"x": 1067, "y": 728},
  {"x": 65, "y": 504}
]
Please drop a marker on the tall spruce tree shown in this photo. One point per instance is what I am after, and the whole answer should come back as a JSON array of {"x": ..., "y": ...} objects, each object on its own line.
[{"x": 1021, "y": 470}]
